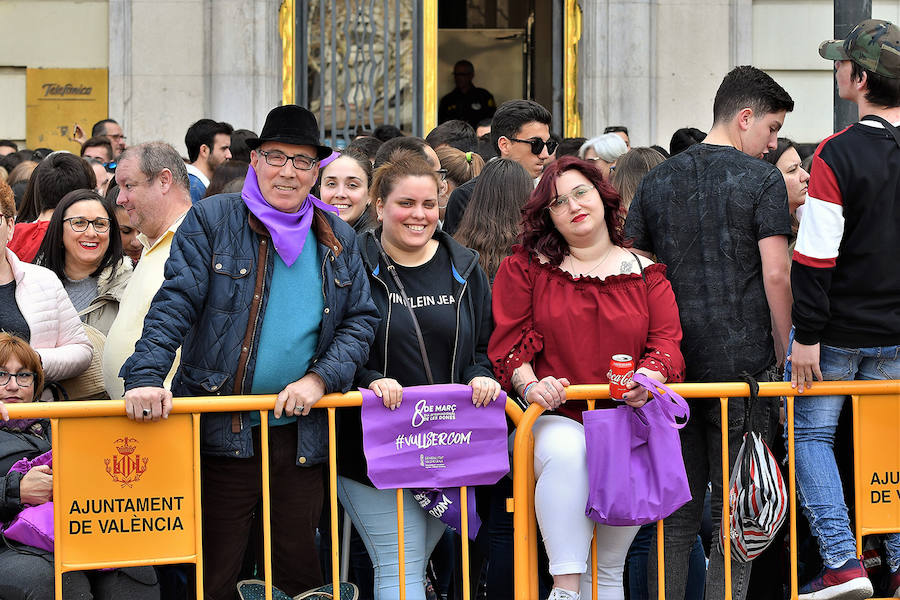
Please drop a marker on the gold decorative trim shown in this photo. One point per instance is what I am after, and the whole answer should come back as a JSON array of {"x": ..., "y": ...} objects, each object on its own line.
[
  {"x": 429, "y": 65},
  {"x": 287, "y": 21},
  {"x": 572, "y": 27}
]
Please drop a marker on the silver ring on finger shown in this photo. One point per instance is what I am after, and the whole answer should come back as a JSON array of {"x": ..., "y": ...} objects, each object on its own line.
[
  {"x": 146, "y": 412},
  {"x": 298, "y": 409}
]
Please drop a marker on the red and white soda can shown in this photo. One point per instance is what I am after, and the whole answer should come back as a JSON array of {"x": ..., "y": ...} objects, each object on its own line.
[{"x": 621, "y": 370}]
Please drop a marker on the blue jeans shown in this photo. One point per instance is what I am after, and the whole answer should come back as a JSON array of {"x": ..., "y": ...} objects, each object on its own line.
[
  {"x": 374, "y": 514},
  {"x": 815, "y": 423}
]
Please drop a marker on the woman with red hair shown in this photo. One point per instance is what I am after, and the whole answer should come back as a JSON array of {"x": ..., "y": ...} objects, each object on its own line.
[{"x": 568, "y": 299}]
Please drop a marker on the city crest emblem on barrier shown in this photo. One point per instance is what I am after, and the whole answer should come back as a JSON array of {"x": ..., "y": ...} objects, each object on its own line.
[{"x": 126, "y": 467}]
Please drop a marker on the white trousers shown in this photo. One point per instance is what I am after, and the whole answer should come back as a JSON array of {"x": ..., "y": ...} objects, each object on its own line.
[{"x": 560, "y": 497}]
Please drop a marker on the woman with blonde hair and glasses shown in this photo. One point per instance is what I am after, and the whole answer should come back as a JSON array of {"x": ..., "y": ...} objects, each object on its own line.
[{"x": 461, "y": 166}]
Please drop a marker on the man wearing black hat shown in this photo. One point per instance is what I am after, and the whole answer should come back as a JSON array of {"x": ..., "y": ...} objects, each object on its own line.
[
  {"x": 266, "y": 294},
  {"x": 846, "y": 286}
]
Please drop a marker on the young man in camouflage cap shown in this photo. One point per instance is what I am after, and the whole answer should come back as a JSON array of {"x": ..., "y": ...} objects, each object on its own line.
[{"x": 846, "y": 288}]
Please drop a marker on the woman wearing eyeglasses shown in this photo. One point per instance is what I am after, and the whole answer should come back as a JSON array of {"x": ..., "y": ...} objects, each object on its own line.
[
  {"x": 26, "y": 571},
  {"x": 35, "y": 307},
  {"x": 83, "y": 248},
  {"x": 568, "y": 299}
]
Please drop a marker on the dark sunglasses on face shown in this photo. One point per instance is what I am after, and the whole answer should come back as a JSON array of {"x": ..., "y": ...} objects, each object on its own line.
[{"x": 537, "y": 145}]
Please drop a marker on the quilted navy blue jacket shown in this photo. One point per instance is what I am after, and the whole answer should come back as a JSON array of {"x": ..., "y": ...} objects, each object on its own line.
[{"x": 205, "y": 304}]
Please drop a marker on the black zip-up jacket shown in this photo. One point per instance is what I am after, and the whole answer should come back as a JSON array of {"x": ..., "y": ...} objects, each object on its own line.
[{"x": 474, "y": 323}]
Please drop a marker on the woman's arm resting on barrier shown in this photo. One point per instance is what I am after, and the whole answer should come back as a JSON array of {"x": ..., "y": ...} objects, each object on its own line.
[
  {"x": 36, "y": 486},
  {"x": 549, "y": 392},
  {"x": 299, "y": 397},
  {"x": 484, "y": 390},
  {"x": 389, "y": 390},
  {"x": 637, "y": 396}
]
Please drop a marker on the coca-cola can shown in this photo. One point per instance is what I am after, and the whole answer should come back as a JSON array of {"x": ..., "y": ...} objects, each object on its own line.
[{"x": 621, "y": 370}]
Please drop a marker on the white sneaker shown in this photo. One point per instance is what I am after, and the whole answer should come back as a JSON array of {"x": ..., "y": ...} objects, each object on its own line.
[{"x": 561, "y": 594}]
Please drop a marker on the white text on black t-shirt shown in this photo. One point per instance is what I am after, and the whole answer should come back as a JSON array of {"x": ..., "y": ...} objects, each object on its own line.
[{"x": 420, "y": 301}]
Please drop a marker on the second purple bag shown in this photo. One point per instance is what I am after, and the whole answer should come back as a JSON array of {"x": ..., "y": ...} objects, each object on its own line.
[
  {"x": 634, "y": 461},
  {"x": 33, "y": 526}
]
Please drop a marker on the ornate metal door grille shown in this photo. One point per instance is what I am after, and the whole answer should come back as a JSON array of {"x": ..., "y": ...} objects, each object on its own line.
[{"x": 359, "y": 65}]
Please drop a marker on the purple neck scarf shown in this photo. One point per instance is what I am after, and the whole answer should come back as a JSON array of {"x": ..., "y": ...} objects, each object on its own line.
[{"x": 288, "y": 230}]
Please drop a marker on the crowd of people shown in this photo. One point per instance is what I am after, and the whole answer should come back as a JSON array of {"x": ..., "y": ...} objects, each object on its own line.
[{"x": 273, "y": 264}]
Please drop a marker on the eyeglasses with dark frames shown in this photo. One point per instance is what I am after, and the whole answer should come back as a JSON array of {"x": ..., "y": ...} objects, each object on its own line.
[
  {"x": 23, "y": 378},
  {"x": 537, "y": 145},
  {"x": 80, "y": 224},
  {"x": 276, "y": 158},
  {"x": 442, "y": 173}
]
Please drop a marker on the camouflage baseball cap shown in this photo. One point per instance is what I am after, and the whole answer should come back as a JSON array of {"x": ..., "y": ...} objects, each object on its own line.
[{"x": 873, "y": 44}]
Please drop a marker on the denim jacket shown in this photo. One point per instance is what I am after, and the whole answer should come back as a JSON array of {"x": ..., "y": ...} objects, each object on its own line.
[{"x": 212, "y": 305}]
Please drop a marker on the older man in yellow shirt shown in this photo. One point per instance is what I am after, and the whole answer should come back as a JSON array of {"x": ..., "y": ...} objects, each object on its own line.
[{"x": 155, "y": 191}]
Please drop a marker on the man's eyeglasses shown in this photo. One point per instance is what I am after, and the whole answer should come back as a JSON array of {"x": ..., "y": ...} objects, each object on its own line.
[
  {"x": 537, "y": 145},
  {"x": 561, "y": 203},
  {"x": 79, "y": 224},
  {"x": 442, "y": 174},
  {"x": 301, "y": 162},
  {"x": 23, "y": 378}
]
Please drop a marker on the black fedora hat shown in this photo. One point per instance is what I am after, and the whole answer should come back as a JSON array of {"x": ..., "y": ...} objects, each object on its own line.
[{"x": 291, "y": 124}]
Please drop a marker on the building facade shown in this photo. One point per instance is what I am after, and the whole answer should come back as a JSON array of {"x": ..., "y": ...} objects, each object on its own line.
[{"x": 651, "y": 65}]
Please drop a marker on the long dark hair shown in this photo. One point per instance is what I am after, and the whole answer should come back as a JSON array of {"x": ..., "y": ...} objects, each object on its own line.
[
  {"x": 491, "y": 221},
  {"x": 224, "y": 174},
  {"x": 52, "y": 253},
  {"x": 772, "y": 156},
  {"x": 538, "y": 232}
]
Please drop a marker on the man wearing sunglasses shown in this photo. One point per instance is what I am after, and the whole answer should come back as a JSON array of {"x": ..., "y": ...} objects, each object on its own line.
[{"x": 520, "y": 130}]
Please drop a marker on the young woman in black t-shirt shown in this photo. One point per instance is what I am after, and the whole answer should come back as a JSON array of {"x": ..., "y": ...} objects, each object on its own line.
[{"x": 450, "y": 296}]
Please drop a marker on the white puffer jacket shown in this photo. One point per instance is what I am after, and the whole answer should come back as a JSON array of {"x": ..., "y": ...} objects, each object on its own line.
[{"x": 56, "y": 331}]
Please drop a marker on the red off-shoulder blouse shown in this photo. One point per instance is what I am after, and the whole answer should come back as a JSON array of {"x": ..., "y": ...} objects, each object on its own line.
[{"x": 571, "y": 327}]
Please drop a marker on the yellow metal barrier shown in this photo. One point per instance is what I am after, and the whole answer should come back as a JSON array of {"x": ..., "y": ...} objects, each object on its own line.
[
  {"x": 61, "y": 411},
  {"x": 525, "y": 523}
]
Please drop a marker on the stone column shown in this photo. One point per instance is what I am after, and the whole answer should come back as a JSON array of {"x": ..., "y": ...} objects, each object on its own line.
[
  {"x": 156, "y": 68},
  {"x": 119, "y": 63},
  {"x": 615, "y": 67},
  {"x": 173, "y": 62},
  {"x": 245, "y": 61}
]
